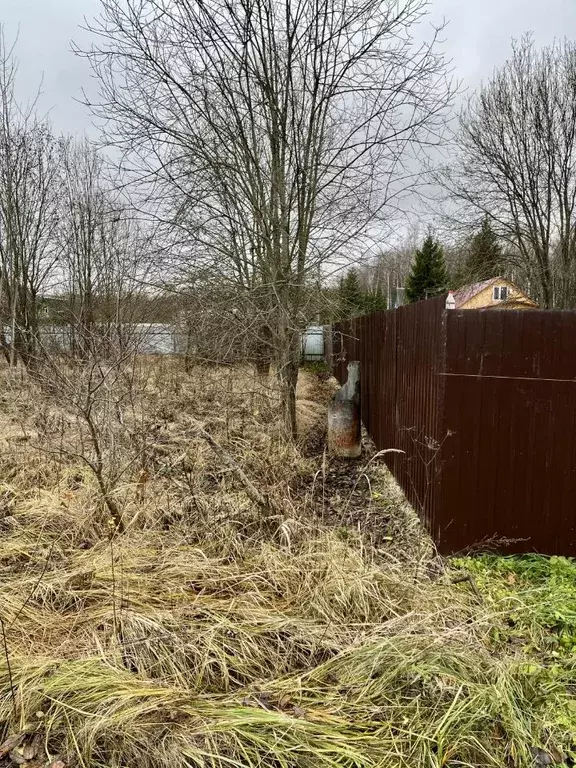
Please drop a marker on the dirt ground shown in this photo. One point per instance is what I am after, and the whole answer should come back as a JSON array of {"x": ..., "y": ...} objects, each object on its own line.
[{"x": 359, "y": 492}]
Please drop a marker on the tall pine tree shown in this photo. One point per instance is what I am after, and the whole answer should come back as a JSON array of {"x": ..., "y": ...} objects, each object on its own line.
[
  {"x": 373, "y": 301},
  {"x": 485, "y": 256},
  {"x": 428, "y": 276}
]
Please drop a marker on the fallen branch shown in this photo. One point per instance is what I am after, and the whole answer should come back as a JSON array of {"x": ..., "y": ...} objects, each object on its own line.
[
  {"x": 460, "y": 578},
  {"x": 251, "y": 490}
]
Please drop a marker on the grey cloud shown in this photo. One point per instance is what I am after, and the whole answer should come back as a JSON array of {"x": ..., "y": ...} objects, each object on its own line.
[{"x": 477, "y": 39}]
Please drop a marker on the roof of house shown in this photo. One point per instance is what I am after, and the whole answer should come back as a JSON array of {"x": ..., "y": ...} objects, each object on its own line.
[{"x": 467, "y": 292}]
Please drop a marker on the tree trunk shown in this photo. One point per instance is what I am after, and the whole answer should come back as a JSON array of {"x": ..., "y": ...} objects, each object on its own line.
[
  {"x": 547, "y": 288},
  {"x": 288, "y": 377},
  {"x": 565, "y": 294},
  {"x": 4, "y": 346},
  {"x": 188, "y": 350},
  {"x": 262, "y": 354},
  {"x": 288, "y": 365}
]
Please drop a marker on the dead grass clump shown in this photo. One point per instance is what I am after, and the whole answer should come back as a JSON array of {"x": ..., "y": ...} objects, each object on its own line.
[
  {"x": 212, "y": 632},
  {"x": 146, "y": 650}
]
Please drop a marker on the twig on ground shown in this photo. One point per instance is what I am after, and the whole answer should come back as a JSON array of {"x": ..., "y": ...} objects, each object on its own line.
[
  {"x": 253, "y": 493},
  {"x": 460, "y": 578}
]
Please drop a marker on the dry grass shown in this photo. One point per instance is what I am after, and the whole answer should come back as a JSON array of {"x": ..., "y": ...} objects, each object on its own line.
[{"x": 210, "y": 634}]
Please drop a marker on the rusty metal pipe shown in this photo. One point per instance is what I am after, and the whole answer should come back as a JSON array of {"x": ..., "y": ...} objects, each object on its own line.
[{"x": 344, "y": 426}]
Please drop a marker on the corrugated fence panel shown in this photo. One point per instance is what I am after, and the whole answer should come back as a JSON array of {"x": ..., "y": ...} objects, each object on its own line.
[
  {"x": 418, "y": 407},
  {"x": 384, "y": 427},
  {"x": 401, "y": 353},
  {"x": 509, "y": 465},
  {"x": 483, "y": 403}
]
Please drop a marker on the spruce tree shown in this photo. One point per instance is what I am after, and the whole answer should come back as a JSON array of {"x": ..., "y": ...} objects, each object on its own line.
[
  {"x": 428, "y": 276},
  {"x": 353, "y": 300},
  {"x": 485, "y": 256},
  {"x": 350, "y": 295},
  {"x": 374, "y": 301}
]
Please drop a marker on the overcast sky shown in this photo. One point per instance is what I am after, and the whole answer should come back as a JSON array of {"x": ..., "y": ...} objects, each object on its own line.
[{"x": 477, "y": 39}]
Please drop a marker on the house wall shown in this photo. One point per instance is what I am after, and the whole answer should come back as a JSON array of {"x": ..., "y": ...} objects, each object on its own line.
[{"x": 484, "y": 299}]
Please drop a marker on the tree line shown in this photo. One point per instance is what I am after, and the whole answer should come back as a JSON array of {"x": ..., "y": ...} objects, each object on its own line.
[
  {"x": 64, "y": 230},
  {"x": 431, "y": 270},
  {"x": 262, "y": 145}
]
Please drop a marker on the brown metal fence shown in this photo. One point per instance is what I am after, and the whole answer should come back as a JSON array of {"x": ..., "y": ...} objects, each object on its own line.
[{"x": 483, "y": 404}]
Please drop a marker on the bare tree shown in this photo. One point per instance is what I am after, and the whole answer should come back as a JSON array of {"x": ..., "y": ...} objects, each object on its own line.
[
  {"x": 104, "y": 254},
  {"x": 279, "y": 132},
  {"x": 29, "y": 162},
  {"x": 82, "y": 228},
  {"x": 517, "y": 153},
  {"x": 389, "y": 268}
]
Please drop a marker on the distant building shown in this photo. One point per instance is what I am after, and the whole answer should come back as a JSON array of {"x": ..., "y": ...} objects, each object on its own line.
[
  {"x": 54, "y": 310},
  {"x": 496, "y": 293}
]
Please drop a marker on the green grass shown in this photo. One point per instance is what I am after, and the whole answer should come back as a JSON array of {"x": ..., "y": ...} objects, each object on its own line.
[
  {"x": 538, "y": 595},
  {"x": 316, "y": 367},
  {"x": 533, "y": 603}
]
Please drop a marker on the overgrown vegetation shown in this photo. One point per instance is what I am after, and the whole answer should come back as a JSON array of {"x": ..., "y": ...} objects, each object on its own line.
[
  {"x": 187, "y": 578},
  {"x": 538, "y": 595},
  {"x": 321, "y": 630}
]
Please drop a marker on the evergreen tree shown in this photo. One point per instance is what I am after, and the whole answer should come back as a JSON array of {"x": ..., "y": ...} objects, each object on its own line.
[
  {"x": 485, "y": 256},
  {"x": 353, "y": 300},
  {"x": 350, "y": 295},
  {"x": 428, "y": 276},
  {"x": 374, "y": 301}
]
